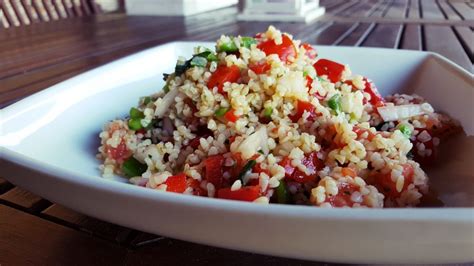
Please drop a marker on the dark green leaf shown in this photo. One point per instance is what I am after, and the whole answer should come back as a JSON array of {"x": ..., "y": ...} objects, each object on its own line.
[
  {"x": 247, "y": 167},
  {"x": 135, "y": 123},
  {"x": 135, "y": 113},
  {"x": 198, "y": 61},
  {"x": 132, "y": 167}
]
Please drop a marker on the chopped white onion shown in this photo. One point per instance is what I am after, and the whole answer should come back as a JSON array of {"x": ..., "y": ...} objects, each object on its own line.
[
  {"x": 394, "y": 113},
  {"x": 253, "y": 143},
  {"x": 166, "y": 102}
]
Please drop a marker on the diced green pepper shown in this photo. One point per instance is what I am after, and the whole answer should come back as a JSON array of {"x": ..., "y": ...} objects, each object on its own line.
[
  {"x": 212, "y": 57},
  {"x": 405, "y": 130},
  {"x": 198, "y": 61},
  {"x": 166, "y": 88},
  {"x": 132, "y": 167},
  {"x": 221, "y": 111},
  {"x": 247, "y": 167},
  {"x": 248, "y": 41},
  {"x": 146, "y": 100},
  {"x": 135, "y": 113},
  {"x": 135, "y": 123},
  {"x": 228, "y": 47},
  {"x": 268, "y": 112},
  {"x": 282, "y": 193},
  {"x": 181, "y": 66},
  {"x": 335, "y": 103}
]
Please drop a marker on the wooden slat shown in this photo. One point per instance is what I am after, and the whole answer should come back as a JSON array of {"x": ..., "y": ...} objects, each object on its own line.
[
  {"x": 143, "y": 239},
  {"x": 398, "y": 9},
  {"x": 413, "y": 9},
  {"x": 463, "y": 9},
  {"x": 29, "y": 240},
  {"x": 412, "y": 38},
  {"x": 384, "y": 35},
  {"x": 7, "y": 11},
  {"x": 41, "y": 11},
  {"x": 175, "y": 252},
  {"x": 466, "y": 36},
  {"x": 19, "y": 12},
  {"x": 333, "y": 33},
  {"x": 68, "y": 8},
  {"x": 340, "y": 8},
  {"x": 429, "y": 9},
  {"x": 442, "y": 40},
  {"x": 358, "y": 35},
  {"x": 85, "y": 7},
  {"x": 88, "y": 224},
  {"x": 21, "y": 198},
  {"x": 4, "y": 185},
  {"x": 30, "y": 11},
  {"x": 448, "y": 10}
]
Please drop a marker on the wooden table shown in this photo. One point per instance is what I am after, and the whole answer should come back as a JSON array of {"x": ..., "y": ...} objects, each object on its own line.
[{"x": 36, "y": 231}]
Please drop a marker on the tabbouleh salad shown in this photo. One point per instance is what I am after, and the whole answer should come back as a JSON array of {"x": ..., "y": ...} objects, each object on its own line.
[{"x": 265, "y": 119}]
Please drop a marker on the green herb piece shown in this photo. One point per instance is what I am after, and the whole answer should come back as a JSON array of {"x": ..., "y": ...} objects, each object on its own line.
[
  {"x": 228, "y": 47},
  {"x": 132, "y": 167},
  {"x": 405, "y": 130},
  {"x": 135, "y": 113},
  {"x": 268, "y": 112},
  {"x": 247, "y": 167},
  {"x": 212, "y": 57},
  {"x": 181, "y": 66},
  {"x": 146, "y": 100},
  {"x": 335, "y": 103},
  {"x": 221, "y": 111},
  {"x": 198, "y": 61},
  {"x": 135, "y": 123},
  {"x": 261, "y": 152},
  {"x": 248, "y": 41},
  {"x": 166, "y": 88},
  {"x": 282, "y": 193}
]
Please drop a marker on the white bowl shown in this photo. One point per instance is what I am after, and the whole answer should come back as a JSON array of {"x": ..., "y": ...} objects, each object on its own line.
[{"x": 49, "y": 141}]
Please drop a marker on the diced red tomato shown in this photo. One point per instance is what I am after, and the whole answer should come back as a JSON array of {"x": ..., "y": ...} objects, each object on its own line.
[
  {"x": 222, "y": 75},
  {"x": 176, "y": 183},
  {"x": 258, "y": 169},
  {"x": 426, "y": 159},
  {"x": 283, "y": 50},
  {"x": 329, "y": 68},
  {"x": 309, "y": 81},
  {"x": 386, "y": 186},
  {"x": 301, "y": 107},
  {"x": 359, "y": 131},
  {"x": 231, "y": 116},
  {"x": 214, "y": 169},
  {"x": 310, "y": 52},
  {"x": 375, "y": 98},
  {"x": 119, "y": 153},
  {"x": 238, "y": 165},
  {"x": 247, "y": 193},
  {"x": 312, "y": 163},
  {"x": 343, "y": 197},
  {"x": 260, "y": 67},
  {"x": 347, "y": 171}
]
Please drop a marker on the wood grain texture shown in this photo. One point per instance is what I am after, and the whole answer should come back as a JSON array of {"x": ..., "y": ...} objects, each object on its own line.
[
  {"x": 23, "y": 199},
  {"x": 87, "y": 224},
  {"x": 449, "y": 47},
  {"x": 29, "y": 240},
  {"x": 411, "y": 39},
  {"x": 35, "y": 57},
  {"x": 4, "y": 185}
]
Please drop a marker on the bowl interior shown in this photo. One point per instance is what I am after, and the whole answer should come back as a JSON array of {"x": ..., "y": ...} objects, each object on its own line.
[{"x": 60, "y": 126}]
